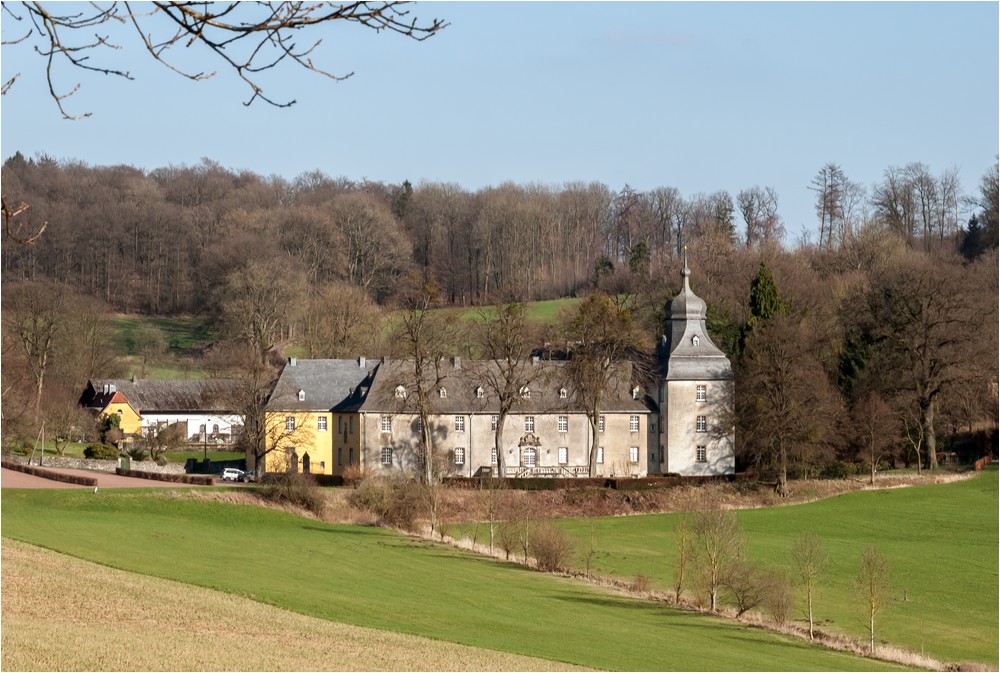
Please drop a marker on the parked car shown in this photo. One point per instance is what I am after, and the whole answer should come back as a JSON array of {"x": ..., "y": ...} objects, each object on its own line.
[
  {"x": 232, "y": 474},
  {"x": 249, "y": 475}
]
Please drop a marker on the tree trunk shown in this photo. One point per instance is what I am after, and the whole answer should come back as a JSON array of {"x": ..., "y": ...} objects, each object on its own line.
[
  {"x": 927, "y": 419},
  {"x": 498, "y": 444},
  {"x": 592, "y": 471},
  {"x": 809, "y": 600}
]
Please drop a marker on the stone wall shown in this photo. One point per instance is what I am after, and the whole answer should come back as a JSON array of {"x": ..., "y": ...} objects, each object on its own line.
[{"x": 100, "y": 465}]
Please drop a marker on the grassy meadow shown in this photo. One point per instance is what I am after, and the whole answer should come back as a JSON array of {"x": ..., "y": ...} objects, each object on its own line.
[
  {"x": 375, "y": 578},
  {"x": 941, "y": 542}
]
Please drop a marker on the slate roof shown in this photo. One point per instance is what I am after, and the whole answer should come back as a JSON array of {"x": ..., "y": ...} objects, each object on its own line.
[
  {"x": 462, "y": 381},
  {"x": 336, "y": 385},
  {"x": 162, "y": 396},
  {"x": 687, "y": 350}
]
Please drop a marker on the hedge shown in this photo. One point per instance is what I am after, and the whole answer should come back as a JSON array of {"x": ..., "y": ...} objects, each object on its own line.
[
  {"x": 197, "y": 480},
  {"x": 48, "y": 474}
]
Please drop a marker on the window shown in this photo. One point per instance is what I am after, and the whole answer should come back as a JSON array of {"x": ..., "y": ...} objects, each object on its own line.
[
  {"x": 460, "y": 456},
  {"x": 701, "y": 424},
  {"x": 636, "y": 392},
  {"x": 529, "y": 423},
  {"x": 289, "y": 424},
  {"x": 701, "y": 454},
  {"x": 351, "y": 421},
  {"x": 563, "y": 424},
  {"x": 600, "y": 454},
  {"x": 633, "y": 424},
  {"x": 600, "y": 423},
  {"x": 340, "y": 456},
  {"x": 700, "y": 394},
  {"x": 400, "y": 391},
  {"x": 387, "y": 456},
  {"x": 459, "y": 423},
  {"x": 529, "y": 457},
  {"x": 563, "y": 455},
  {"x": 695, "y": 340},
  {"x": 525, "y": 393},
  {"x": 418, "y": 425},
  {"x": 385, "y": 424},
  {"x": 215, "y": 428},
  {"x": 442, "y": 393},
  {"x": 321, "y": 423},
  {"x": 350, "y": 456},
  {"x": 562, "y": 393},
  {"x": 201, "y": 428},
  {"x": 633, "y": 454},
  {"x": 479, "y": 393},
  {"x": 302, "y": 396},
  {"x": 340, "y": 424},
  {"x": 493, "y": 456},
  {"x": 494, "y": 422},
  {"x": 652, "y": 426}
]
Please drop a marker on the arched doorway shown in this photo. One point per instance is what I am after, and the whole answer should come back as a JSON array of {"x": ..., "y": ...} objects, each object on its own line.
[
  {"x": 305, "y": 464},
  {"x": 293, "y": 460}
]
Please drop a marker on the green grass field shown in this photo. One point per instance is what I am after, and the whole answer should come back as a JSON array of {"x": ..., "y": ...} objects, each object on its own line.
[
  {"x": 376, "y": 578},
  {"x": 941, "y": 542}
]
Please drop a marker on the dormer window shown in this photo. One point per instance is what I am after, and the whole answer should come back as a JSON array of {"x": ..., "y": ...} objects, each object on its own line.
[
  {"x": 525, "y": 393},
  {"x": 695, "y": 340},
  {"x": 442, "y": 393},
  {"x": 562, "y": 393},
  {"x": 302, "y": 396},
  {"x": 635, "y": 392},
  {"x": 479, "y": 392},
  {"x": 400, "y": 391}
]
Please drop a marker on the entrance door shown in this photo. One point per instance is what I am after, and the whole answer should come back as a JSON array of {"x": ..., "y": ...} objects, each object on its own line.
[
  {"x": 305, "y": 464},
  {"x": 528, "y": 457}
]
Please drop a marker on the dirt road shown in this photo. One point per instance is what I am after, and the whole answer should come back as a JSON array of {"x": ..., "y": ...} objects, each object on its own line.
[{"x": 15, "y": 479}]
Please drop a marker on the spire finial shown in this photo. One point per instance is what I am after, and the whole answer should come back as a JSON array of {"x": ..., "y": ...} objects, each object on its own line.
[{"x": 685, "y": 272}]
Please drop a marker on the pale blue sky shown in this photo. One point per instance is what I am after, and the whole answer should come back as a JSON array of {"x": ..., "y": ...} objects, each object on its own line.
[{"x": 698, "y": 96}]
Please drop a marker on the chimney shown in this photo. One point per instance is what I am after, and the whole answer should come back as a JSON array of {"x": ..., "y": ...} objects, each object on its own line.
[
  {"x": 106, "y": 388},
  {"x": 112, "y": 388},
  {"x": 534, "y": 359},
  {"x": 291, "y": 362},
  {"x": 361, "y": 362}
]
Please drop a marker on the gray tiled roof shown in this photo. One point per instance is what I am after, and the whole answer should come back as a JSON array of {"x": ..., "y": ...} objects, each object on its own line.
[
  {"x": 149, "y": 395},
  {"x": 461, "y": 383},
  {"x": 327, "y": 384}
]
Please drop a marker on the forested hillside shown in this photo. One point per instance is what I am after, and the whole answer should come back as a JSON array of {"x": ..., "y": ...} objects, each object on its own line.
[{"x": 887, "y": 318}]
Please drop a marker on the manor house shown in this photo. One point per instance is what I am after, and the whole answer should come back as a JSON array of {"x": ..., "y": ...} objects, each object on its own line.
[{"x": 336, "y": 416}]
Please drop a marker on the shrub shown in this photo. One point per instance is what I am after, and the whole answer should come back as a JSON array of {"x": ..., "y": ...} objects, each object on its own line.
[
  {"x": 779, "y": 597},
  {"x": 508, "y": 537},
  {"x": 101, "y": 452},
  {"x": 408, "y": 504},
  {"x": 136, "y": 453},
  {"x": 297, "y": 489},
  {"x": 640, "y": 584},
  {"x": 551, "y": 547},
  {"x": 373, "y": 495}
]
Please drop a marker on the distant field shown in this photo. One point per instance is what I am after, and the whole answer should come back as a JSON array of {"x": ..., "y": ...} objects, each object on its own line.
[
  {"x": 57, "y": 610},
  {"x": 180, "y": 334},
  {"x": 941, "y": 542},
  {"x": 375, "y": 578}
]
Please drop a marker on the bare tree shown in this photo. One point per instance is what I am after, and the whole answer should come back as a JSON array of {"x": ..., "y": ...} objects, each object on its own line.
[
  {"x": 718, "y": 545},
  {"x": 604, "y": 336},
  {"x": 682, "y": 535},
  {"x": 810, "y": 560},
  {"x": 340, "y": 321},
  {"x": 830, "y": 185},
  {"x": 35, "y": 317},
  {"x": 747, "y": 584},
  {"x": 14, "y": 225},
  {"x": 149, "y": 343},
  {"x": 872, "y": 584},
  {"x": 502, "y": 337},
  {"x": 759, "y": 208},
  {"x": 876, "y": 429},
  {"x": 247, "y": 38}
]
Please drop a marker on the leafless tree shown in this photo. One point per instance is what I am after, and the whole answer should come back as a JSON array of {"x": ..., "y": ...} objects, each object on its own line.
[
  {"x": 15, "y": 227},
  {"x": 747, "y": 584},
  {"x": 246, "y": 38},
  {"x": 718, "y": 545},
  {"x": 759, "y": 208},
  {"x": 810, "y": 560},
  {"x": 682, "y": 535},
  {"x": 340, "y": 321},
  {"x": 830, "y": 185},
  {"x": 872, "y": 584},
  {"x": 876, "y": 429}
]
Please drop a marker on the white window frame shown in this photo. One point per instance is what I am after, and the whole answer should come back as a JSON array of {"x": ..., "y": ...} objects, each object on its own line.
[
  {"x": 529, "y": 424},
  {"x": 480, "y": 393},
  {"x": 529, "y": 451},
  {"x": 289, "y": 424},
  {"x": 633, "y": 454},
  {"x": 459, "y": 455},
  {"x": 701, "y": 424},
  {"x": 493, "y": 456},
  {"x": 564, "y": 424},
  {"x": 386, "y": 456},
  {"x": 633, "y": 423},
  {"x": 385, "y": 424},
  {"x": 321, "y": 424},
  {"x": 600, "y": 423},
  {"x": 563, "y": 455},
  {"x": 562, "y": 393},
  {"x": 600, "y": 454},
  {"x": 701, "y": 454},
  {"x": 494, "y": 422},
  {"x": 442, "y": 392},
  {"x": 459, "y": 423},
  {"x": 701, "y": 393}
]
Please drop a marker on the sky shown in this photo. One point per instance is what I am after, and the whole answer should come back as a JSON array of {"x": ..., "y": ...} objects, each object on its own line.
[{"x": 701, "y": 96}]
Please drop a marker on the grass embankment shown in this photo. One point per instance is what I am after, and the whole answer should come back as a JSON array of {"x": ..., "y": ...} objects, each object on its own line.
[
  {"x": 57, "y": 609},
  {"x": 941, "y": 542},
  {"x": 376, "y": 578}
]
